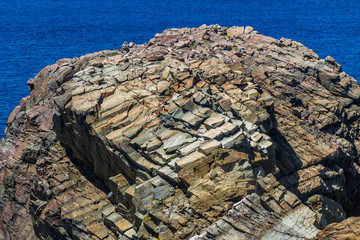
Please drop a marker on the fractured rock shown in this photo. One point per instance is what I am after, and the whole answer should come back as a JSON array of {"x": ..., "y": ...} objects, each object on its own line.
[{"x": 201, "y": 133}]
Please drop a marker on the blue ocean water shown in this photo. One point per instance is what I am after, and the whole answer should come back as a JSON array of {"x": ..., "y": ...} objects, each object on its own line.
[{"x": 36, "y": 33}]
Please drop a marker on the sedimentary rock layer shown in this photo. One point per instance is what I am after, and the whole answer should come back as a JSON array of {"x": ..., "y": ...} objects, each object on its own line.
[{"x": 203, "y": 133}]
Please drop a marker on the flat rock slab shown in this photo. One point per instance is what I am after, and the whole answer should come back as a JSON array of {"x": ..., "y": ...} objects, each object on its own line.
[
  {"x": 214, "y": 134},
  {"x": 209, "y": 146},
  {"x": 214, "y": 121},
  {"x": 147, "y": 194},
  {"x": 193, "y": 157},
  {"x": 192, "y": 119},
  {"x": 175, "y": 142},
  {"x": 117, "y": 222},
  {"x": 186, "y": 150}
]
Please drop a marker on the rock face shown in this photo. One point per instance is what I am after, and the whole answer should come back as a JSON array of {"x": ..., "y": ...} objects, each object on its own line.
[{"x": 203, "y": 133}]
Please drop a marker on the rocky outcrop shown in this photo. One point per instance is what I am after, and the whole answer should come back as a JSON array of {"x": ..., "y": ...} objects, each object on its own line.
[
  {"x": 347, "y": 229},
  {"x": 201, "y": 133}
]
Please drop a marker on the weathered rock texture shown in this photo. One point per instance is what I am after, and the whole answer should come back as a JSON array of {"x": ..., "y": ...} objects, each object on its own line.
[{"x": 204, "y": 133}]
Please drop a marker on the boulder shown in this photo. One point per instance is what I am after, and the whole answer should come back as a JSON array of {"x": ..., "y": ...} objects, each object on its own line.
[{"x": 201, "y": 133}]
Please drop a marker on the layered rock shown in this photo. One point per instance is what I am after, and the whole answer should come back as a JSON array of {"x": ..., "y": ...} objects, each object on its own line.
[
  {"x": 201, "y": 133},
  {"x": 347, "y": 229}
]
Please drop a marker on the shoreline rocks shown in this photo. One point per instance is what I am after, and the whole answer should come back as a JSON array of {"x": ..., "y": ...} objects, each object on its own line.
[{"x": 202, "y": 133}]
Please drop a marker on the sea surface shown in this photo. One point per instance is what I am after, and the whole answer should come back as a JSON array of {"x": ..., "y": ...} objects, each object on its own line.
[{"x": 36, "y": 33}]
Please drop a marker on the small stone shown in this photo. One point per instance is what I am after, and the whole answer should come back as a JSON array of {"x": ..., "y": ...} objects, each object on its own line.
[
  {"x": 125, "y": 46},
  {"x": 203, "y": 112},
  {"x": 108, "y": 210},
  {"x": 189, "y": 82},
  {"x": 214, "y": 134},
  {"x": 228, "y": 142},
  {"x": 259, "y": 73},
  {"x": 186, "y": 150},
  {"x": 330, "y": 59},
  {"x": 163, "y": 155},
  {"x": 178, "y": 113},
  {"x": 155, "y": 56},
  {"x": 259, "y": 172},
  {"x": 268, "y": 146},
  {"x": 193, "y": 157},
  {"x": 163, "y": 86},
  {"x": 118, "y": 182},
  {"x": 209, "y": 146},
  {"x": 252, "y": 94},
  {"x": 130, "y": 234},
  {"x": 167, "y": 173},
  {"x": 256, "y": 136},
  {"x": 132, "y": 132},
  {"x": 285, "y": 41},
  {"x": 214, "y": 121},
  {"x": 117, "y": 222},
  {"x": 164, "y": 133},
  {"x": 165, "y": 74},
  {"x": 250, "y": 127},
  {"x": 198, "y": 96},
  {"x": 192, "y": 119},
  {"x": 234, "y": 32},
  {"x": 237, "y": 68},
  {"x": 204, "y": 102},
  {"x": 61, "y": 178},
  {"x": 172, "y": 162},
  {"x": 248, "y": 29},
  {"x": 181, "y": 43},
  {"x": 225, "y": 104},
  {"x": 189, "y": 105},
  {"x": 153, "y": 144},
  {"x": 181, "y": 76},
  {"x": 228, "y": 128},
  {"x": 150, "y": 192},
  {"x": 241, "y": 142},
  {"x": 175, "y": 142}
]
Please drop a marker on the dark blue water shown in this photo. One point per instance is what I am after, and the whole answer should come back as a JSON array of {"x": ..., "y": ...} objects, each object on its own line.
[{"x": 36, "y": 33}]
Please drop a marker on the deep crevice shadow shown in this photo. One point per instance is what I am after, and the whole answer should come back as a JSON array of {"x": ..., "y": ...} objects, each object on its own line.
[
  {"x": 287, "y": 161},
  {"x": 86, "y": 171}
]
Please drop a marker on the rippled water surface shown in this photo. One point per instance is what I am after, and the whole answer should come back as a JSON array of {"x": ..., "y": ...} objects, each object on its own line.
[{"x": 36, "y": 33}]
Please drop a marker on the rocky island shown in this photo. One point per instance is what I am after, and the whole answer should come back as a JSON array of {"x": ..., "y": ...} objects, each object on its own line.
[{"x": 201, "y": 133}]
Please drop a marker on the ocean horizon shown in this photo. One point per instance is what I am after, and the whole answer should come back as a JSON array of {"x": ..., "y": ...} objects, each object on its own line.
[{"x": 38, "y": 33}]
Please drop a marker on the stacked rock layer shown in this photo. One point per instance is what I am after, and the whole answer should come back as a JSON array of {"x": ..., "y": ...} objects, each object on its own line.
[{"x": 203, "y": 133}]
